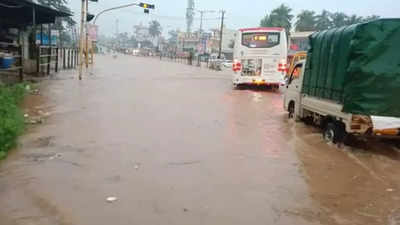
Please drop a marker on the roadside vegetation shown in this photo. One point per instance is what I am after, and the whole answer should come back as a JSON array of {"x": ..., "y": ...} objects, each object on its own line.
[
  {"x": 308, "y": 20},
  {"x": 11, "y": 116}
]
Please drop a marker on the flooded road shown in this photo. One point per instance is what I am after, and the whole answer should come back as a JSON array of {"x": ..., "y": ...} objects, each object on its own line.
[{"x": 174, "y": 144}]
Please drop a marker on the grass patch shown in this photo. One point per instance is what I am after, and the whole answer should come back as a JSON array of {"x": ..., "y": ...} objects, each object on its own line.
[{"x": 11, "y": 116}]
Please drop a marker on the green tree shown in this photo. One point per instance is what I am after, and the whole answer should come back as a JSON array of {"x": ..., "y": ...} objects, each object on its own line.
[
  {"x": 132, "y": 42},
  {"x": 371, "y": 18},
  {"x": 279, "y": 17},
  {"x": 339, "y": 19},
  {"x": 123, "y": 39},
  {"x": 173, "y": 37},
  {"x": 155, "y": 28},
  {"x": 323, "y": 21},
  {"x": 306, "y": 21},
  {"x": 353, "y": 19}
]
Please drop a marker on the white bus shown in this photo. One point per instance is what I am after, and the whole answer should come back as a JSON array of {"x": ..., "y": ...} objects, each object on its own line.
[{"x": 260, "y": 56}]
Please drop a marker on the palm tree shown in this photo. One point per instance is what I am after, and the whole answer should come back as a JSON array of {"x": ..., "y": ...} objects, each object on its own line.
[
  {"x": 371, "y": 18},
  {"x": 339, "y": 19},
  {"x": 306, "y": 21},
  {"x": 279, "y": 17},
  {"x": 173, "y": 37},
  {"x": 353, "y": 19},
  {"x": 323, "y": 21},
  {"x": 154, "y": 28}
]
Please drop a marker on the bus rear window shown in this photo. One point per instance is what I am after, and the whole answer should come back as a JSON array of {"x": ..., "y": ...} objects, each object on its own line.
[{"x": 261, "y": 40}]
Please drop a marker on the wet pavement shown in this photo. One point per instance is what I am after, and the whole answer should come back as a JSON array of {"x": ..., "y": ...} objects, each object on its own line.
[{"x": 175, "y": 144}]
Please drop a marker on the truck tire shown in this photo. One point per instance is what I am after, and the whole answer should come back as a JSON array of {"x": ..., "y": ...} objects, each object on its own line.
[
  {"x": 334, "y": 132},
  {"x": 291, "y": 110}
]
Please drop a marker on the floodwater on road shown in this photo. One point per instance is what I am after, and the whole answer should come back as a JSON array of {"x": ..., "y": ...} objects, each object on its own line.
[{"x": 175, "y": 144}]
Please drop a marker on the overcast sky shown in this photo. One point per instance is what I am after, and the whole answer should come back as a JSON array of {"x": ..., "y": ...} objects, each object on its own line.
[{"x": 240, "y": 13}]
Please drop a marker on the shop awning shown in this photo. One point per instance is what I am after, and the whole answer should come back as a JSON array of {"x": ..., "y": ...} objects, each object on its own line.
[{"x": 17, "y": 13}]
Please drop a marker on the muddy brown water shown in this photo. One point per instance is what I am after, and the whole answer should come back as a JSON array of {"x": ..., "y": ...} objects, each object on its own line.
[{"x": 176, "y": 145}]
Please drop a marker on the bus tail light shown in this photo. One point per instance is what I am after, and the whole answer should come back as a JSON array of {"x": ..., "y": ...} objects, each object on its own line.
[
  {"x": 236, "y": 66},
  {"x": 282, "y": 66}
]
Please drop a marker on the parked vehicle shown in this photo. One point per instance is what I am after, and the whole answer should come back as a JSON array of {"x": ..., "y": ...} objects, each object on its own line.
[
  {"x": 350, "y": 81},
  {"x": 260, "y": 56},
  {"x": 227, "y": 63}
]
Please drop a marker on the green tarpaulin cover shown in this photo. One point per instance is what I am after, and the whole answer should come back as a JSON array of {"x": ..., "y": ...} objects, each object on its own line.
[{"x": 357, "y": 66}]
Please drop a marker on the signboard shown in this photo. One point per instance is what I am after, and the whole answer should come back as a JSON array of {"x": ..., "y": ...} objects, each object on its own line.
[
  {"x": 55, "y": 36},
  {"x": 92, "y": 32},
  {"x": 43, "y": 38}
]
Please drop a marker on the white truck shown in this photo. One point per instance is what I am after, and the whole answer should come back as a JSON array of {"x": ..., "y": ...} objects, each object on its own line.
[{"x": 347, "y": 93}]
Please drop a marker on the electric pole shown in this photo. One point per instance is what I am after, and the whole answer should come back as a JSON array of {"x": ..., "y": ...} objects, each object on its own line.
[
  {"x": 201, "y": 28},
  {"x": 83, "y": 22},
  {"x": 87, "y": 37},
  {"x": 117, "y": 33},
  {"x": 221, "y": 34}
]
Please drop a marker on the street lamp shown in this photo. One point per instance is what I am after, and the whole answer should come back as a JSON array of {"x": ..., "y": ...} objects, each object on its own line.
[
  {"x": 86, "y": 17},
  {"x": 142, "y": 5}
]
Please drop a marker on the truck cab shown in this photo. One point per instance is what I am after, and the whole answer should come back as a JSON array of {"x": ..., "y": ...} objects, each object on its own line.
[{"x": 293, "y": 90}]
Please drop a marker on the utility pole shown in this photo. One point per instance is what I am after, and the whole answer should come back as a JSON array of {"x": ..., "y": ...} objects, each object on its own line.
[
  {"x": 87, "y": 37},
  {"x": 116, "y": 33},
  {"x": 201, "y": 20},
  {"x": 221, "y": 34},
  {"x": 83, "y": 22},
  {"x": 201, "y": 28}
]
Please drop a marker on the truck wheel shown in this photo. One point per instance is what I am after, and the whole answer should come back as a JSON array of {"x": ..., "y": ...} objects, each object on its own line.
[
  {"x": 291, "y": 110},
  {"x": 334, "y": 132},
  {"x": 329, "y": 133}
]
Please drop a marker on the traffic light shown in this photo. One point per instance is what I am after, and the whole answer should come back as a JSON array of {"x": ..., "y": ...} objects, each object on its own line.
[
  {"x": 146, "y": 6},
  {"x": 89, "y": 17}
]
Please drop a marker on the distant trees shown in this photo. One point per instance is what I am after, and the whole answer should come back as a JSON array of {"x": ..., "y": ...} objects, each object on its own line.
[
  {"x": 308, "y": 20},
  {"x": 155, "y": 29},
  {"x": 279, "y": 17},
  {"x": 173, "y": 37},
  {"x": 339, "y": 19},
  {"x": 323, "y": 21}
]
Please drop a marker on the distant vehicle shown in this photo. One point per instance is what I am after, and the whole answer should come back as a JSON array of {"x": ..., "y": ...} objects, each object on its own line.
[
  {"x": 260, "y": 56},
  {"x": 214, "y": 62},
  {"x": 346, "y": 86},
  {"x": 135, "y": 52},
  {"x": 227, "y": 63}
]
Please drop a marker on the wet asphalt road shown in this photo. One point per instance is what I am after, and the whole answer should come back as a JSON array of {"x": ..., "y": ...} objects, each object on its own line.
[{"x": 177, "y": 145}]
